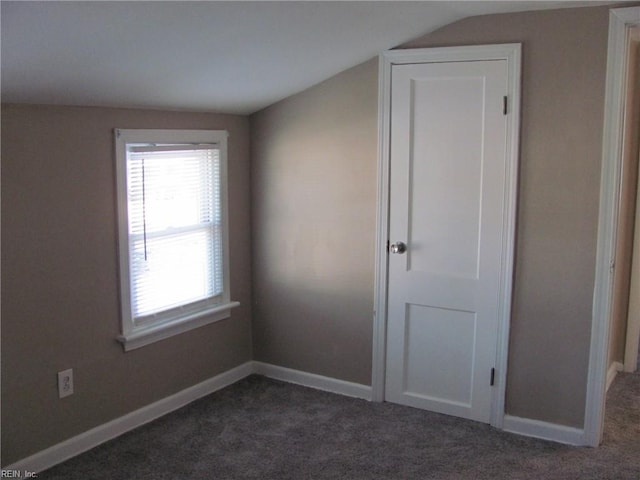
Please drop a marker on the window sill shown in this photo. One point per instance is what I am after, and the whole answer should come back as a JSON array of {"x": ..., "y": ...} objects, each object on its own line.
[{"x": 142, "y": 336}]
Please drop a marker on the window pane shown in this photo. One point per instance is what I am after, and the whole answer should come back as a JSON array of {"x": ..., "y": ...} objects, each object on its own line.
[
  {"x": 177, "y": 270},
  {"x": 174, "y": 228},
  {"x": 172, "y": 190}
]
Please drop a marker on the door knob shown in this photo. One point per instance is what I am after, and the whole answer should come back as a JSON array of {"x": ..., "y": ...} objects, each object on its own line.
[{"x": 398, "y": 247}]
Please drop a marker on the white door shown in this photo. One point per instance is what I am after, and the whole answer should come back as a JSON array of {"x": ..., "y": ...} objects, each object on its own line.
[{"x": 448, "y": 163}]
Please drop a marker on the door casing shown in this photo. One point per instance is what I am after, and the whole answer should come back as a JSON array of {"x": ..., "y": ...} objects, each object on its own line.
[{"x": 512, "y": 54}]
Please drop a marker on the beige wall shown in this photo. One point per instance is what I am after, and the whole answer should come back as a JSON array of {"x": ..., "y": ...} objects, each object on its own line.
[
  {"x": 313, "y": 213},
  {"x": 308, "y": 297},
  {"x": 59, "y": 277}
]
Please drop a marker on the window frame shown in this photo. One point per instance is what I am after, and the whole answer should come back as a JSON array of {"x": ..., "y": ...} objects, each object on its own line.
[{"x": 167, "y": 323}]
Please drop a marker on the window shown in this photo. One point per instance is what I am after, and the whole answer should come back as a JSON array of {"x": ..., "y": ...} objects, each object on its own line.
[{"x": 172, "y": 232}]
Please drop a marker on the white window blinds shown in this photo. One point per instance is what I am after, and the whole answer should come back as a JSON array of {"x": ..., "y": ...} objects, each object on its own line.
[{"x": 175, "y": 227}]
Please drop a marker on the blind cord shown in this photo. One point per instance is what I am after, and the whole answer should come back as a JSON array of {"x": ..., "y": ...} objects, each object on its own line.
[{"x": 144, "y": 213}]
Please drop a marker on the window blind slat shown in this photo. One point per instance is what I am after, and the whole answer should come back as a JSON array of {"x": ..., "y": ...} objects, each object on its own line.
[{"x": 171, "y": 148}]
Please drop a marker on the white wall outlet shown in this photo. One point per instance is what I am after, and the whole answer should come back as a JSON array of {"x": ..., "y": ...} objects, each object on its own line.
[{"x": 65, "y": 383}]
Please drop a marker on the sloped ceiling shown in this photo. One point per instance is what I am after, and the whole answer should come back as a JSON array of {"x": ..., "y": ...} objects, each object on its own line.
[{"x": 234, "y": 57}]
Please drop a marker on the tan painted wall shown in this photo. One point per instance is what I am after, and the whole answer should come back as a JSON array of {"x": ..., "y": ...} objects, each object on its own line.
[
  {"x": 59, "y": 277},
  {"x": 313, "y": 301},
  {"x": 313, "y": 213}
]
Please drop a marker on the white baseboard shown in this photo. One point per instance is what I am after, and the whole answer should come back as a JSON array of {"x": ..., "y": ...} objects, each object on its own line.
[
  {"x": 612, "y": 373},
  {"x": 94, "y": 437},
  {"x": 85, "y": 441},
  {"x": 544, "y": 430},
  {"x": 312, "y": 380}
]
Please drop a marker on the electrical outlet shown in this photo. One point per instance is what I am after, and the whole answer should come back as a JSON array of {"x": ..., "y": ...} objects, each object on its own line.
[{"x": 65, "y": 383}]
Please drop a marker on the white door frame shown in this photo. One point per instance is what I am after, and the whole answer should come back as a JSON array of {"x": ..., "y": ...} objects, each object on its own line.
[
  {"x": 511, "y": 53},
  {"x": 620, "y": 21}
]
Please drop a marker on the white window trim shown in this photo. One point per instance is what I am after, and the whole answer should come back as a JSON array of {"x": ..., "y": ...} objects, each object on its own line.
[{"x": 138, "y": 335}]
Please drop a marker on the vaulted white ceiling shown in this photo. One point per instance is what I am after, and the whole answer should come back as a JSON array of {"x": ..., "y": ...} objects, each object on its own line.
[{"x": 234, "y": 57}]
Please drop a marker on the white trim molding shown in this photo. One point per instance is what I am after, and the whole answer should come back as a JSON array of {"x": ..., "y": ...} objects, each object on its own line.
[
  {"x": 92, "y": 438},
  {"x": 382, "y": 234},
  {"x": 159, "y": 321},
  {"x": 512, "y": 54},
  {"x": 620, "y": 21},
  {"x": 319, "y": 382},
  {"x": 544, "y": 430},
  {"x": 155, "y": 332}
]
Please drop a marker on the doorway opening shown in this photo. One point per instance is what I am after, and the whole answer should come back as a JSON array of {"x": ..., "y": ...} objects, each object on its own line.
[
  {"x": 625, "y": 323},
  {"x": 605, "y": 331}
]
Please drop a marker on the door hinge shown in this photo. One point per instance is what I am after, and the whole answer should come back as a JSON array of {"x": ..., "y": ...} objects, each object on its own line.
[
  {"x": 493, "y": 377},
  {"x": 504, "y": 105}
]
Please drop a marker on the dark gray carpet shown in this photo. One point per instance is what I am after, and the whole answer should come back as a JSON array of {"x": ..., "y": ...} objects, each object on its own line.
[{"x": 265, "y": 429}]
